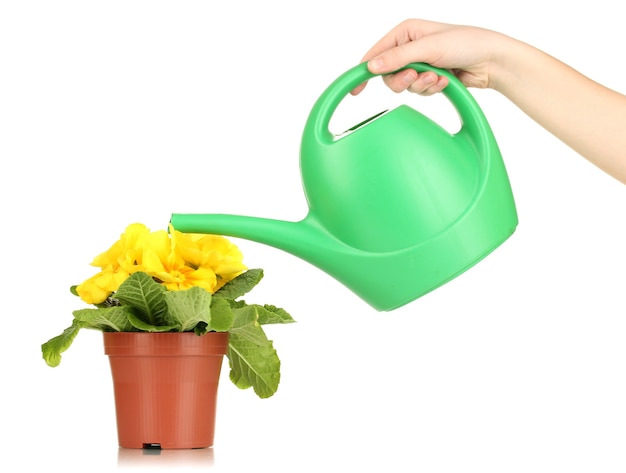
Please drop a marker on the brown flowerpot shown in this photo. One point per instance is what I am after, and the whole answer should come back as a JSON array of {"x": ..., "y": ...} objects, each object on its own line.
[{"x": 165, "y": 387}]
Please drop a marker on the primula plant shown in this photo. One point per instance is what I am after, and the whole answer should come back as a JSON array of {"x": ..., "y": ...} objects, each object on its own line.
[{"x": 159, "y": 281}]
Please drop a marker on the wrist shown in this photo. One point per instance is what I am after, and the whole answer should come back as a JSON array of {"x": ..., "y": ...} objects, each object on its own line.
[{"x": 507, "y": 63}]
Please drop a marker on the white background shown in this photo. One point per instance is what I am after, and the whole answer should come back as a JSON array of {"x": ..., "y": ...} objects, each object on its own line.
[{"x": 115, "y": 112}]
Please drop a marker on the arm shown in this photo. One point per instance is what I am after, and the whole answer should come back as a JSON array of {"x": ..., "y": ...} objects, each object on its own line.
[{"x": 585, "y": 115}]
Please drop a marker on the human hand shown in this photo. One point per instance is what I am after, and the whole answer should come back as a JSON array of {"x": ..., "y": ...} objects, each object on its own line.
[
  {"x": 522, "y": 73},
  {"x": 470, "y": 53}
]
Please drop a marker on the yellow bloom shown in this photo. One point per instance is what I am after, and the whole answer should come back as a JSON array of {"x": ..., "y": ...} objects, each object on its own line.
[
  {"x": 117, "y": 263},
  {"x": 164, "y": 264},
  {"x": 212, "y": 252},
  {"x": 177, "y": 260},
  {"x": 126, "y": 250},
  {"x": 100, "y": 286}
]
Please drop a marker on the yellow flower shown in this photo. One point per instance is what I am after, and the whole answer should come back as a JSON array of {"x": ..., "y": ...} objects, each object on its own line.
[
  {"x": 176, "y": 260},
  {"x": 212, "y": 252},
  {"x": 117, "y": 263},
  {"x": 125, "y": 250},
  {"x": 162, "y": 262}
]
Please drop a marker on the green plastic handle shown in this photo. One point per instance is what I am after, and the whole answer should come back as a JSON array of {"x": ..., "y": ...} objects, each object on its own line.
[{"x": 473, "y": 121}]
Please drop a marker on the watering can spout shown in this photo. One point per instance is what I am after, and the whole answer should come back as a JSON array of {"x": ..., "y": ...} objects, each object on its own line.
[
  {"x": 306, "y": 239},
  {"x": 293, "y": 237}
]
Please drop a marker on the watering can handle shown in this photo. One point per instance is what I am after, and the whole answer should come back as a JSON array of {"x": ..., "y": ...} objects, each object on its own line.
[{"x": 472, "y": 118}]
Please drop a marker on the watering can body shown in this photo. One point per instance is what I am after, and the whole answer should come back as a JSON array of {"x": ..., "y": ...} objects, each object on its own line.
[{"x": 398, "y": 206}]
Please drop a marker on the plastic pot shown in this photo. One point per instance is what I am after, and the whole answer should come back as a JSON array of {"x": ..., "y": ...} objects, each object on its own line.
[{"x": 165, "y": 387}]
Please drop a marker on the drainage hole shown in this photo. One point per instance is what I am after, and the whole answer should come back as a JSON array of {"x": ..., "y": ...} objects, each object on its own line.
[{"x": 152, "y": 446}]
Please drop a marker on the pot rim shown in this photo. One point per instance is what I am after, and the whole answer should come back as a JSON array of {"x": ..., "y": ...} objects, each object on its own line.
[{"x": 165, "y": 343}]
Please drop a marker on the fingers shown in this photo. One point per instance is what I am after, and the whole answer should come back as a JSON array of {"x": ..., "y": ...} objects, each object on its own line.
[
  {"x": 358, "y": 89},
  {"x": 426, "y": 83},
  {"x": 402, "y": 80},
  {"x": 375, "y": 58},
  {"x": 389, "y": 55},
  {"x": 408, "y": 42},
  {"x": 397, "y": 82},
  {"x": 426, "y": 86},
  {"x": 392, "y": 59}
]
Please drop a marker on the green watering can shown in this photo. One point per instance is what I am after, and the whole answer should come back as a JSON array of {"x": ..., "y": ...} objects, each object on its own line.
[{"x": 398, "y": 206}]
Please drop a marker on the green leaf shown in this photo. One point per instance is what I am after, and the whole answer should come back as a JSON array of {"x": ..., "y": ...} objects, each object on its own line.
[
  {"x": 106, "y": 319},
  {"x": 269, "y": 314},
  {"x": 147, "y": 296},
  {"x": 222, "y": 316},
  {"x": 109, "y": 319},
  {"x": 188, "y": 308},
  {"x": 139, "y": 324},
  {"x": 52, "y": 349},
  {"x": 241, "y": 285},
  {"x": 252, "y": 358}
]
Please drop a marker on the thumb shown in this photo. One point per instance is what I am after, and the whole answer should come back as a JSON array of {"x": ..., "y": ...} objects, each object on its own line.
[{"x": 400, "y": 56}]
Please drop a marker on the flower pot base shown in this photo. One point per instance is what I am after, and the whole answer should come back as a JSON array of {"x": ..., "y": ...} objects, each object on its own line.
[{"x": 157, "y": 447}]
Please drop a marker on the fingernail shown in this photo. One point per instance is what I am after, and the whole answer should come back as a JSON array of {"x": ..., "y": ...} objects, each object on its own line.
[
  {"x": 375, "y": 64},
  {"x": 429, "y": 79},
  {"x": 409, "y": 76}
]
